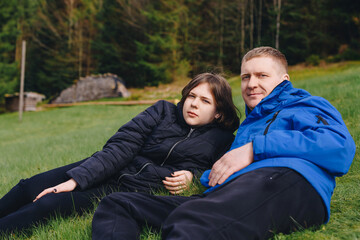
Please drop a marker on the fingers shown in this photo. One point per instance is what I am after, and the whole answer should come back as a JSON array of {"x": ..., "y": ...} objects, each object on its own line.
[
  {"x": 46, "y": 191},
  {"x": 175, "y": 189},
  {"x": 178, "y": 182},
  {"x": 67, "y": 186},
  {"x": 178, "y": 173},
  {"x": 175, "y": 185},
  {"x": 214, "y": 179},
  {"x": 182, "y": 175},
  {"x": 217, "y": 165},
  {"x": 216, "y": 172},
  {"x": 220, "y": 173},
  {"x": 172, "y": 183},
  {"x": 224, "y": 176},
  {"x": 176, "y": 179}
]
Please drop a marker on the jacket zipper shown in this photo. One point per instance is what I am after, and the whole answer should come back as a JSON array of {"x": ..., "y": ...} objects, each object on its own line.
[
  {"x": 147, "y": 164},
  {"x": 321, "y": 119},
  {"x": 138, "y": 172},
  {"x": 271, "y": 121},
  {"x": 172, "y": 148}
]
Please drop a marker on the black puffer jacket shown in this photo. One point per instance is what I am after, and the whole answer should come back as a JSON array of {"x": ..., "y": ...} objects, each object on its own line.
[{"x": 150, "y": 147}]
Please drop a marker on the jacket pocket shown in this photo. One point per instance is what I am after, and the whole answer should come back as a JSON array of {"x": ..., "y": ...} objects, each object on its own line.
[
  {"x": 321, "y": 119},
  {"x": 271, "y": 121},
  {"x": 278, "y": 173}
]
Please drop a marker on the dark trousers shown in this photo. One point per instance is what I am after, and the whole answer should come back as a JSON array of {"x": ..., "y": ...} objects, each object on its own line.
[
  {"x": 253, "y": 206},
  {"x": 18, "y": 211}
]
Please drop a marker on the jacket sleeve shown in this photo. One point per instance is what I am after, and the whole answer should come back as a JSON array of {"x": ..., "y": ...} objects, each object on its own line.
[
  {"x": 120, "y": 149},
  {"x": 326, "y": 143}
]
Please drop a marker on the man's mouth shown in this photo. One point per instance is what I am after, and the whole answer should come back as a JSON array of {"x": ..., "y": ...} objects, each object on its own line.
[{"x": 253, "y": 94}]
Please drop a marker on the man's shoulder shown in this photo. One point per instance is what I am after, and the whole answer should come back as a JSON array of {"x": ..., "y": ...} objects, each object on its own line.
[
  {"x": 302, "y": 98},
  {"x": 317, "y": 102},
  {"x": 313, "y": 106}
]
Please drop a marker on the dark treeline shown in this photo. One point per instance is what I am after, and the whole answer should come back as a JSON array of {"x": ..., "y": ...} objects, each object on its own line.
[{"x": 147, "y": 42}]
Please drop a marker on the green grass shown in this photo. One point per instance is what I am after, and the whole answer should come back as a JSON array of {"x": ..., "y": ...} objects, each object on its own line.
[{"x": 52, "y": 138}]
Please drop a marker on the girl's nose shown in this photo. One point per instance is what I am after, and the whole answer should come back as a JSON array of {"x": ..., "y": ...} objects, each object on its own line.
[{"x": 195, "y": 102}]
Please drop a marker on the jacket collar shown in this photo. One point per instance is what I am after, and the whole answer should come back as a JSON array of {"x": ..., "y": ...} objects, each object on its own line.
[
  {"x": 281, "y": 95},
  {"x": 180, "y": 116}
]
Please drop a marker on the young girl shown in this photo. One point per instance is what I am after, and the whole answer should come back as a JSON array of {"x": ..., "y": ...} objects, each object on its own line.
[{"x": 164, "y": 146}]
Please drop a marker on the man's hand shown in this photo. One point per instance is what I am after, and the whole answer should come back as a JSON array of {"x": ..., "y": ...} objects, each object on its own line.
[
  {"x": 67, "y": 186},
  {"x": 231, "y": 162},
  {"x": 179, "y": 181}
]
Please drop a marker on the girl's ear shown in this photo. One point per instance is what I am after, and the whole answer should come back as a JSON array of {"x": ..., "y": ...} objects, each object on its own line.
[{"x": 218, "y": 115}]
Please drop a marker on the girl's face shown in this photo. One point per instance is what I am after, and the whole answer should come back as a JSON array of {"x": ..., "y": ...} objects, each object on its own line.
[{"x": 199, "y": 107}]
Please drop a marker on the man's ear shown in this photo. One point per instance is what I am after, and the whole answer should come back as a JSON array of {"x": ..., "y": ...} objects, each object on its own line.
[{"x": 286, "y": 77}]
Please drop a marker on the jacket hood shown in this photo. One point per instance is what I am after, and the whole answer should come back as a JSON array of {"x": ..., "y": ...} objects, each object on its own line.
[
  {"x": 282, "y": 95},
  {"x": 180, "y": 116}
]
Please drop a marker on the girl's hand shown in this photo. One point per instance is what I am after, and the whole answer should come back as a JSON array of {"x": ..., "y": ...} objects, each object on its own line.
[
  {"x": 67, "y": 186},
  {"x": 178, "y": 181}
]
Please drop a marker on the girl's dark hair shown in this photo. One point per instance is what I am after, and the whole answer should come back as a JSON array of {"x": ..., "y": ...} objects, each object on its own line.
[{"x": 221, "y": 91}]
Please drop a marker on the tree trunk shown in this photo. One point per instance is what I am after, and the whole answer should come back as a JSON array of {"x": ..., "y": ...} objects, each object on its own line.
[
  {"x": 251, "y": 24},
  {"x": 221, "y": 36},
  {"x": 80, "y": 46},
  {"x": 242, "y": 42},
  {"x": 278, "y": 10},
  {"x": 70, "y": 12},
  {"x": 19, "y": 40},
  {"x": 259, "y": 24}
]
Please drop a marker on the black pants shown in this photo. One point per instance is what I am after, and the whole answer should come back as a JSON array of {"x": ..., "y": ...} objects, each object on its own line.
[
  {"x": 253, "y": 206},
  {"x": 18, "y": 211}
]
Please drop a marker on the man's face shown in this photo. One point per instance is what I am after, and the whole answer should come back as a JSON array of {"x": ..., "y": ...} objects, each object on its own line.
[{"x": 259, "y": 76}]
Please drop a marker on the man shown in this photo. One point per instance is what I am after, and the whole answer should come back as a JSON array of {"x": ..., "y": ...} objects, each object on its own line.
[{"x": 278, "y": 176}]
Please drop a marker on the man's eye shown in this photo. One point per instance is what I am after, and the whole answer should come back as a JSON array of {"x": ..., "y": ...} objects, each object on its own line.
[{"x": 245, "y": 77}]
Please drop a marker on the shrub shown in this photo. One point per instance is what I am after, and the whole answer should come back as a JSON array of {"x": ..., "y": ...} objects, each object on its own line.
[{"x": 313, "y": 60}]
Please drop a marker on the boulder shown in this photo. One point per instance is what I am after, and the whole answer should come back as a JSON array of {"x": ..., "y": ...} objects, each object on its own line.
[
  {"x": 92, "y": 88},
  {"x": 31, "y": 99}
]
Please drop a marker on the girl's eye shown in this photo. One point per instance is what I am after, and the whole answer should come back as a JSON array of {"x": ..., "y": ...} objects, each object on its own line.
[
  {"x": 206, "y": 101},
  {"x": 191, "y": 96}
]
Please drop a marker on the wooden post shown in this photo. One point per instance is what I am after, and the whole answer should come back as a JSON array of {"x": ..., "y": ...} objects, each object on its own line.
[{"x": 21, "y": 96}]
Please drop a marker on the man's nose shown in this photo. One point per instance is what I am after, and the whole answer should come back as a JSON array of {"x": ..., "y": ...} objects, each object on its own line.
[{"x": 253, "y": 82}]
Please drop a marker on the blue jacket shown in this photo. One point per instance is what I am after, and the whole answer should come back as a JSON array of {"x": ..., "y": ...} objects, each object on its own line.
[{"x": 290, "y": 128}]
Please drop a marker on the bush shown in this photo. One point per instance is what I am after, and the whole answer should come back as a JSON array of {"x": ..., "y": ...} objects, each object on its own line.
[
  {"x": 313, "y": 60},
  {"x": 350, "y": 54}
]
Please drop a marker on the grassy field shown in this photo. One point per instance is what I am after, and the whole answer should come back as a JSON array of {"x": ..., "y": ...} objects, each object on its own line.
[{"x": 52, "y": 138}]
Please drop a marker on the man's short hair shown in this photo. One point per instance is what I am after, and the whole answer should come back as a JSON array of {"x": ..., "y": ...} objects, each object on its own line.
[{"x": 266, "y": 52}]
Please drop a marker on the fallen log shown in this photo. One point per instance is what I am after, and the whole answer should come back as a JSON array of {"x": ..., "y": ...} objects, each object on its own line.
[{"x": 124, "y": 103}]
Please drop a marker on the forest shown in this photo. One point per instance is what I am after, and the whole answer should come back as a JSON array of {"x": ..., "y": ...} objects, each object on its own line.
[{"x": 150, "y": 42}]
